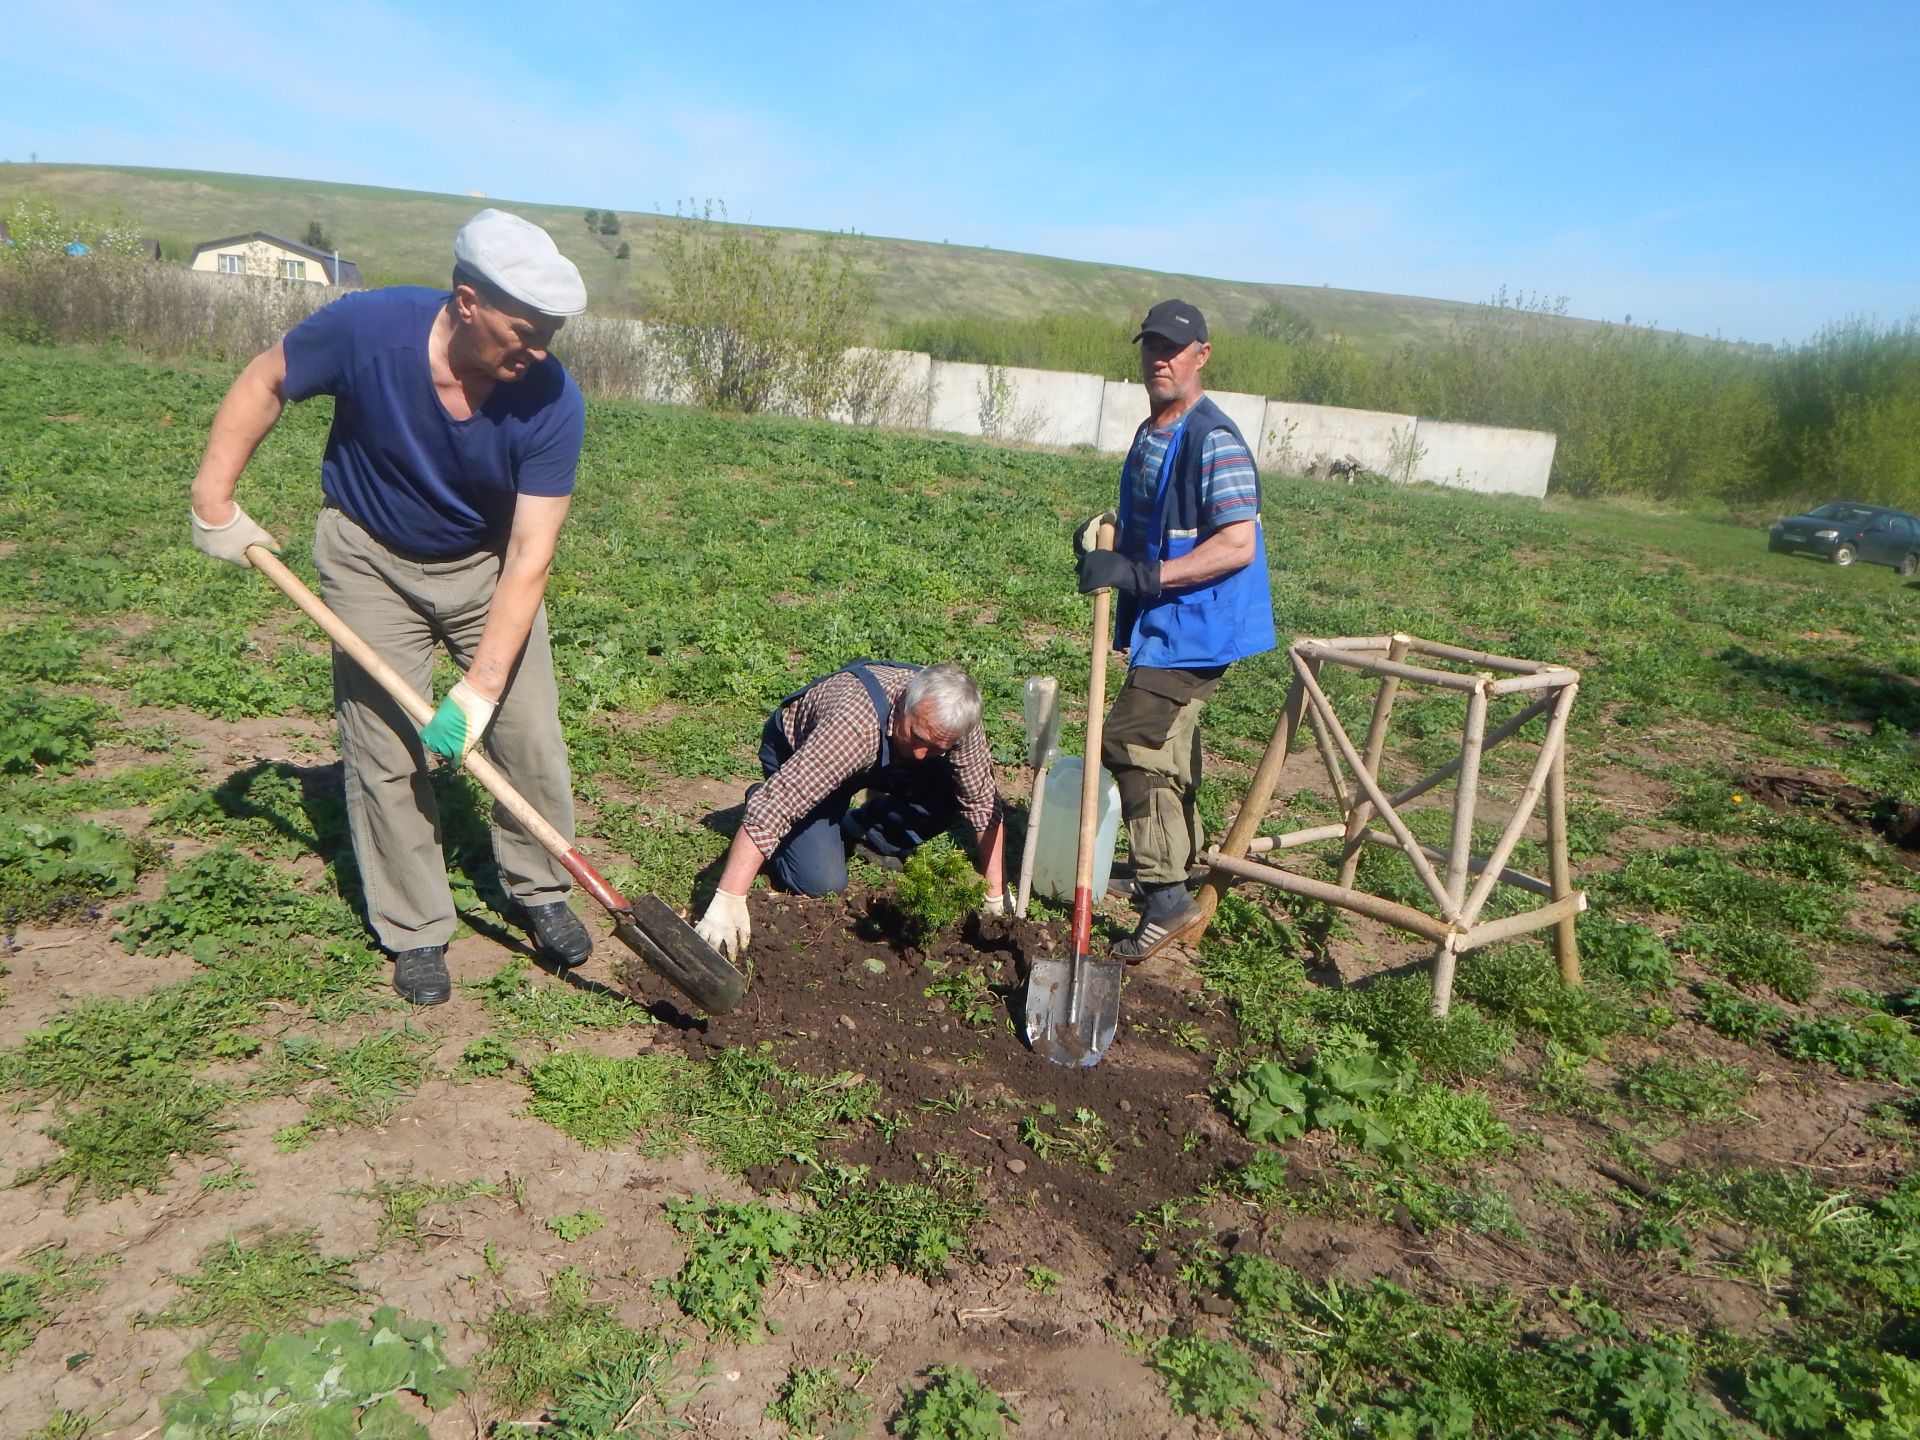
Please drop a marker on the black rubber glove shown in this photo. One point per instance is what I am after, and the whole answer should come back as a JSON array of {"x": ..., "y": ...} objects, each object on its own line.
[{"x": 1109, "y": 570}]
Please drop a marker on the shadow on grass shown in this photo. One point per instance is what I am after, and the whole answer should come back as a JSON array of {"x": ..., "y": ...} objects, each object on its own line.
[{"x": 1843, "y": 687}]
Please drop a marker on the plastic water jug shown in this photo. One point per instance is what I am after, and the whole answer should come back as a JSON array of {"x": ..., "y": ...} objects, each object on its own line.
[{"x": 1056, "y": 860}]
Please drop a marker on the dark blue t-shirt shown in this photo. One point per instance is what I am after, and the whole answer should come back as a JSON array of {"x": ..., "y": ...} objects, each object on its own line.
[{"x": 418, "y": 480}]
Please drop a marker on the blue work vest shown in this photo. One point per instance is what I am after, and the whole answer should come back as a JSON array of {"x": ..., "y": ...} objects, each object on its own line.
[{"x": 1206, "y": 625}]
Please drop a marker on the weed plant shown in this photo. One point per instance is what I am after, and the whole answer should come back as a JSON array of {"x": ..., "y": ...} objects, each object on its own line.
[
  {"x": 346, "y": 1086},
  {"x": 1705, "y": 1090},
  {"x": 543, "y": 1354},
  {"x": 733, "y": 1255},
  {"x": 272, "y": 1283},
  {"x": 404, "y": 1202},
  {"x": 50, "y": 868},
  {"x": 823, "y": 1402},
  {"x": 527, "y": 1005},
  {"x": 1726, "y": 1011},
  {"x": 28, "y": 1297},
  {"x": 1210, "y": 1379},
  {"x": 954, "y": 1404},
  {"x": 339, "y": 1379},
  {"x": 54, "y": 733}
]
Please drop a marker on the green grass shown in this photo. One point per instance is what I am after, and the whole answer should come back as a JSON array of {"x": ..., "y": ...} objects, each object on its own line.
[
  {"x": 346, "y": 1086},
  {"x": 573, "y": 1352},
  {"x": 28, "y": 1297},
  {"x": 712, "y": 565},
  {"x": 273, "y": 1282}
]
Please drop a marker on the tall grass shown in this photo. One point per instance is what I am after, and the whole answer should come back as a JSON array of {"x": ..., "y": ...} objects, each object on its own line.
[{"x": 1638, "y": 412}]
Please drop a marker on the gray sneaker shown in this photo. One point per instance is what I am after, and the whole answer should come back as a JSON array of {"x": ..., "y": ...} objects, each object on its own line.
[{"x": 1167, "y": 915}]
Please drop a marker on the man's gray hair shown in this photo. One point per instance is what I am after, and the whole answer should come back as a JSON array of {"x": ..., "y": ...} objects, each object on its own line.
[{"x": 949, "y": 692}]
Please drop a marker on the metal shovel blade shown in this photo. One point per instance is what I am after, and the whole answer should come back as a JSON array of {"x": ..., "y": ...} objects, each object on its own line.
[
  {"x": 1073, "y": 1008},
  {"x": 672, "y": 947}
]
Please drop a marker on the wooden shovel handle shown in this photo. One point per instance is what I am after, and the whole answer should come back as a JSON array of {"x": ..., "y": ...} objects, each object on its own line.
[
  {"x": 420, "y": 712},
  {"x": 1090, "y": 767}
]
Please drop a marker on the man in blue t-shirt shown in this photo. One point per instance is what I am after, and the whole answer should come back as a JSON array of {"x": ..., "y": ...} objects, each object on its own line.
[
  {"x": 446, "y": 478},
  {"x": 1189, "y": 564}
]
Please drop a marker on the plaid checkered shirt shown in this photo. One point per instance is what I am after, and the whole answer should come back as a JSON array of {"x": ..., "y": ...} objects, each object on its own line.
[{"x": 836, "y": 736}]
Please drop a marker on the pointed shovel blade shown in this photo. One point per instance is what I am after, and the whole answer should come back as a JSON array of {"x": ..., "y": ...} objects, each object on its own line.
[{"x": 1073, "y": 1008}]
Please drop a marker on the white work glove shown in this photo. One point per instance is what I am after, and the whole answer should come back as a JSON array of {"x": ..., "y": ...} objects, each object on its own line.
[
  {"x": 1087, "y": 537},
  {"x": 997, "y": 905},
  {"x": 456, "y": 727},
  {"x": 229, "y": 542},
  {"x": 725, "y": 926}
]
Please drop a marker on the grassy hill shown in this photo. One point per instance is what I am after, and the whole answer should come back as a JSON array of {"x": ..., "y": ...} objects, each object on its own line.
[{"x": 405, "y": 236}]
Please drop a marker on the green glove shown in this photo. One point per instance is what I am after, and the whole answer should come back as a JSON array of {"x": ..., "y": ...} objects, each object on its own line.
[{"x": 456, "y": 727}]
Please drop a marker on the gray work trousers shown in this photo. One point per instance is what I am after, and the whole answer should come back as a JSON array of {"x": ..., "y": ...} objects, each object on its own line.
[
  {"x": 1152, "y": 746},
  {"x": 406, "y": 609}
]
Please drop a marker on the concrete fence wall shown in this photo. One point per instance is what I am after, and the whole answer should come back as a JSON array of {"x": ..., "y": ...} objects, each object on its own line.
[{"x": 1053, "y": 407}]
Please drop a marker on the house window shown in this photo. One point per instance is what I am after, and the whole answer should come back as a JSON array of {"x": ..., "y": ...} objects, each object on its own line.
[
  {"x": 293, "y": 269},
  {"x": 233, "y": 264}
]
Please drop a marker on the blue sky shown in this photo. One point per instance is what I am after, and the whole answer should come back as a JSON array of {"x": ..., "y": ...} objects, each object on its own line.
[{"x": 1749, "y": 170}]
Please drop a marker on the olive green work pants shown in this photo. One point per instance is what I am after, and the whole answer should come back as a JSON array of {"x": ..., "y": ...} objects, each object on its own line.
[
  {"x": 1152, "y": 746},
  {"x": 406, "y": 610}
]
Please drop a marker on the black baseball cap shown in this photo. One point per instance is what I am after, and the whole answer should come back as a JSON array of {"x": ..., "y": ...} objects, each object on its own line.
[{"x": 1174, "y": 320}]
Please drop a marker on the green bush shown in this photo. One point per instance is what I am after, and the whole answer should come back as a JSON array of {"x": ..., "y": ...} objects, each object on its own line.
[{"x": 47, "y": 732}]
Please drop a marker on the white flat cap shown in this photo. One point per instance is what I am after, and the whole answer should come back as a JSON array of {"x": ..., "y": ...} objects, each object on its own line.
[{"x": 519, "y": 259}]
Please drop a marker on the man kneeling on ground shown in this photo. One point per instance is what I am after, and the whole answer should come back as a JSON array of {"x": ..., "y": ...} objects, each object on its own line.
[{"x": 910, "y": 737}]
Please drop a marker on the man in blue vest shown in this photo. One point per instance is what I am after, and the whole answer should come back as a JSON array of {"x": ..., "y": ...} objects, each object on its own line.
[
  {"x": 1189, "y": 564},
  {"x": 447, "y": 475}
]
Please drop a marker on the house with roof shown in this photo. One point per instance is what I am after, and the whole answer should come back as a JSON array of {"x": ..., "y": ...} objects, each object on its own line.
[{"x": 273, "y": 257}]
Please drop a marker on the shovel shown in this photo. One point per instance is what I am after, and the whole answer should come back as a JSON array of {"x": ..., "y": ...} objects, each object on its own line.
[
  {"x": 645, "y": 926},
  {"x": 1073, "y": 1006},
  {"x": 1043, "y": 744}
]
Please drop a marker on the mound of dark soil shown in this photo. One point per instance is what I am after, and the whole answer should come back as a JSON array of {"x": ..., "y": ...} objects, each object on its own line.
[
  {"x": 835, "y": 988},
  {"x": 1896, "y": 821}
]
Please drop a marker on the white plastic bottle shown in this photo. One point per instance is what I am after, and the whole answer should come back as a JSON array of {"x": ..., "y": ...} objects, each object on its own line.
[{"x": 1056, "y": 861}]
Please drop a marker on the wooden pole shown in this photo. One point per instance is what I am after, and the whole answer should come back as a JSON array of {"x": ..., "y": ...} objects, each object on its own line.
[
  {"x": 1376, "y": 745},
  {"x": 1460, "y": 849},
  {"x": 1327, "y": 757},
  {"x": 1401, "y": 917},
  {"x": 1494, "y": 737},
  {"x": 1566, "y": 945},
  {"x": 1253, "y": 806},
  {"x": 1554, "y": 912},
  {"x": 1323, "y": 710},
  {"x": 1090, "y": 766},
  {"x": 1523, "y": 810}
]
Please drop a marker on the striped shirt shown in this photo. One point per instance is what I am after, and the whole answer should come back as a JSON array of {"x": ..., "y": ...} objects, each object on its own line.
[
  {"x": 1229, "y": 485},
  {"x": 836, "y": 738}
]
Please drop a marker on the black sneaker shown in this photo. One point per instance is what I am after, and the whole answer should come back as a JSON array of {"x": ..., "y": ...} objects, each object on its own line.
[
  {"x": 558, "y": 934},
  {"x": 1168, "y": 915},
  {"x": 420, "y": 976}
]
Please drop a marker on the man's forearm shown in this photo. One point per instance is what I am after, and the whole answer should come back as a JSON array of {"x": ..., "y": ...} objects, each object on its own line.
[
  {"x": 993, "y": 856},
  {"x": 251, "y": 408},
  {"x": 743, "y": 863},
  {"x": 1228, "y": 549},
  {"x": 516, "y": 600}
]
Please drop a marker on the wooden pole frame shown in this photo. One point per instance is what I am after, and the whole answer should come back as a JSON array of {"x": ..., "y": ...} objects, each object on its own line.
[{"x": 1548, "y": 689}]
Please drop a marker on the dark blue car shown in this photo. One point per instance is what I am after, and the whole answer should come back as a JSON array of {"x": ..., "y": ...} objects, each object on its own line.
[{"x": 1845, "y": 531}]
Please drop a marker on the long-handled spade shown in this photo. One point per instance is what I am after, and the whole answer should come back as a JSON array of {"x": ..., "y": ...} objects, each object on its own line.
[
  {"x": 1040, "y": 702},
  {"x": 1073, "y": 1006},
  {"x": 645, "y": 926}
]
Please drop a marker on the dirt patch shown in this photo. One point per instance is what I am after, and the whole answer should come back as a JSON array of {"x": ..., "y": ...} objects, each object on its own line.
[
  {"x": 1786, "y": 790},
  {"x": 837, "y": 989}
]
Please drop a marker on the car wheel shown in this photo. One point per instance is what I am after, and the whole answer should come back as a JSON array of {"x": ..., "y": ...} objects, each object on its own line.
[
  {"x": 1843, "y": 554},
  {"x": 1909, "y": 563}
]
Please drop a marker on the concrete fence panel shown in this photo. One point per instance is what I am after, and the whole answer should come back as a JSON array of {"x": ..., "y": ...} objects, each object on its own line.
[
  {"x": 1247, "y": 411},
  {"x": 1048, "y": 407},
  {"x": 1486, "y": 458},
  {"x": 1295, "y": 438},
  {"x": 1123, "y": 405}
]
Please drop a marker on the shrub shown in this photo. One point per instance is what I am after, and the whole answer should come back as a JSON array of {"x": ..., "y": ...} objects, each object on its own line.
[{"x": 752, "y": 322}]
